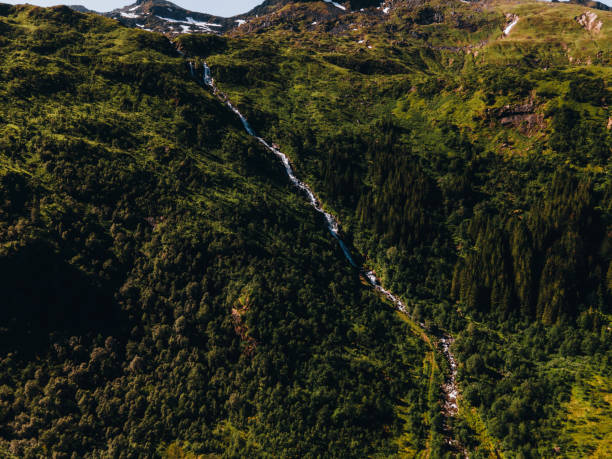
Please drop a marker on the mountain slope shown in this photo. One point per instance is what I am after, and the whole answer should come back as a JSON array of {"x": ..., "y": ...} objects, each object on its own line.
[
  {"x": 470, "y": 162},
  {"x": 512, "y": 112},
  {"x": 167, "y": 292},
  {"x": 81, "y": 9},
  {"x": 164, "y": 286},
  {"x": 592, "y": 4}
]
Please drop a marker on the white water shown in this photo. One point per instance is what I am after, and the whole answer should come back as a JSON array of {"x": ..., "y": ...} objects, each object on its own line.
[
  {"x": 337, "y": 5},
  {"x": 450, "y": 389},
  {"x": 450, "y": 386},
  {"x": 332, "y": 223},
  {"x": 208, "y": 80},
  {"x": 510, "y": 26}
]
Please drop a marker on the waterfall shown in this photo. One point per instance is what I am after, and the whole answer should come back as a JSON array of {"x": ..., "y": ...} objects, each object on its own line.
[
  {"x": 450, "y": 387},
  {"x": 332, "y": 223},
  {"x": 208, "y": 81}
]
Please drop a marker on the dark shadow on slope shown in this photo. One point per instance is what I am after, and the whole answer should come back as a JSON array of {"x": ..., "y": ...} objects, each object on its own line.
[{"x": 45, "y": 299}]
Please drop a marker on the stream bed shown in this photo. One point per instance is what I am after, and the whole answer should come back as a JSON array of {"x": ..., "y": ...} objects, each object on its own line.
[{"x": 450, "y": 390}]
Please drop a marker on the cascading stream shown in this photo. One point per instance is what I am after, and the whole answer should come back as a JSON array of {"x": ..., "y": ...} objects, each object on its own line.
[{"x": 450, "y": 387}]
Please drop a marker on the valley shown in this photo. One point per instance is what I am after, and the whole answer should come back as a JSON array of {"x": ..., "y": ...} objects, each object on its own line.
[
  {"x": 169, "y": 293},
  {"x": 449, "y": 388}
]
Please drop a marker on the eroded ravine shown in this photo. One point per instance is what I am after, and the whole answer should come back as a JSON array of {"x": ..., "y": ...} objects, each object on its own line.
[{"x": 449, "y": 388}]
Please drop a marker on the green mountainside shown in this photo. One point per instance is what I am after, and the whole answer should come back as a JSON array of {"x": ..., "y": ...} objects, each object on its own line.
[
  {"x": 472, "y": 170},
  {"x": 168, "y": 293},
  {"x": 162, "y": 282}
]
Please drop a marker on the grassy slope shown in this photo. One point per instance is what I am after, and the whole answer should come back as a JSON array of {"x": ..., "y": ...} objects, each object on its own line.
[
  {"x": 589, "y": 412},
  {"x": 300, "y": 86},
  {"x": 433, "y": 374}
]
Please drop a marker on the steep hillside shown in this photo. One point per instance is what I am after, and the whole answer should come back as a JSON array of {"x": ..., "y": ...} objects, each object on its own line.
[
  {"x": 168, "y": 293},
  {"x": 533, "y": 95},
  {"x": 165, "y": 289},
  {"x": 467, "y": 149}
]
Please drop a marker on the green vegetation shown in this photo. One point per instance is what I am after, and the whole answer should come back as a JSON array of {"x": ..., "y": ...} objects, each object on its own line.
[
  {"x": 474, "y": 177},
  {"x": 589, "y": 412},
  {"x": 166, "y": 291}
]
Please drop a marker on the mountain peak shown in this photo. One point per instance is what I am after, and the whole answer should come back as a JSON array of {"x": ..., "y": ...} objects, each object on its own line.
[{"x": 168, "y": 18}]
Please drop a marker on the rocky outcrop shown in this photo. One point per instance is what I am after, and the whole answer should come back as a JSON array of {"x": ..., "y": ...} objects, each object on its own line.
[
  {"x": 241, "y": 329},
  {"x": 589, "y": 21},
  {"x": 428, "y": 15},
  {"x": 506, "y": 112},
  {"x": 522, "y": 117}
]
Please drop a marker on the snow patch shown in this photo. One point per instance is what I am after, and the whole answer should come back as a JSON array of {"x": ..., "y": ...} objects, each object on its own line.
[
  {"x": 190, "y": 20},
  {"x": 130, "y": 15},
  {"x": 170, "y": 19},
  {"x": 187, "y": 24},
  {"x": 240, "y": 22}
]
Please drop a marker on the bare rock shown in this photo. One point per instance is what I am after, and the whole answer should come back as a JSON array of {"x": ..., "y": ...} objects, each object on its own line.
[
  {"x": 589, "y": 21},
  {"x": 523, "y": 117}
]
